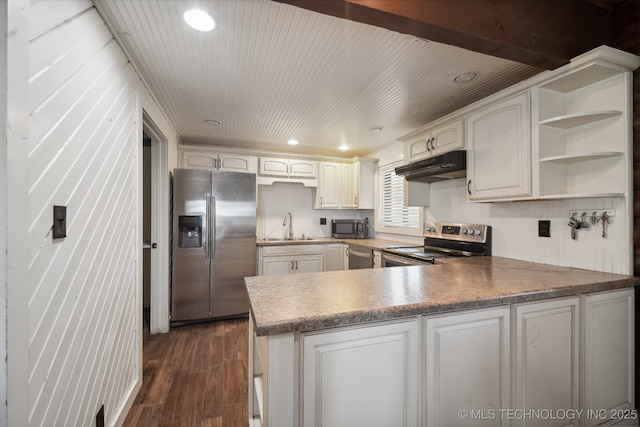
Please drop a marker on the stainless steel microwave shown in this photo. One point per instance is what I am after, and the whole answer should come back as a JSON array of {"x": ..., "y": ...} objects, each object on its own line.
[{"x": 350, "y": 228}]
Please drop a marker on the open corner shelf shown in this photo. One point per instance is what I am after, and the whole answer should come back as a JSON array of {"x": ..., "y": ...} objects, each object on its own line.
[
  {"x": 569, "y": 121},
  {"x": 581, "y": 157},
  {"x": 579, "y": 196}
]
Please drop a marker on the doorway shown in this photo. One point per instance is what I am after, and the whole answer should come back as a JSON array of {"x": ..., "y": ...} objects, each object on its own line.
[{"x": 155, "y": 226}]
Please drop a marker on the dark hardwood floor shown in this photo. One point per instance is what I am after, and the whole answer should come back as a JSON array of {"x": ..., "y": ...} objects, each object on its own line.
[{"x": 194, "y": 376}]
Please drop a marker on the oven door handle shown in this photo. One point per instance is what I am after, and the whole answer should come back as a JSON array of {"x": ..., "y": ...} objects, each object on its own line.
[
  {"x": 366, "y": 255},
  {"x": 401, "y": 260}
]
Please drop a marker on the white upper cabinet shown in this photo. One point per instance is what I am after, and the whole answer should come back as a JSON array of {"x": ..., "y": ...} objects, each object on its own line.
[
  {"x": 346, "y": 185},
  {"x": 216, "y": 160},
  {"x": 434, "y": 141},
  {"x": 348, "y": 191},
  {"x": 287, "y": 167},
  {"x": 276, "y": 169},
  {"x": 363, "y": 183},
  {"x": 499, "y": 150},
  {"x": 329, "y": 195},
  {"x": 567, "y": 135}
]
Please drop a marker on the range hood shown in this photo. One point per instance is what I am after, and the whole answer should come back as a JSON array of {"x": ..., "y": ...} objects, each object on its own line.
[{"x": 445, "y": 166}]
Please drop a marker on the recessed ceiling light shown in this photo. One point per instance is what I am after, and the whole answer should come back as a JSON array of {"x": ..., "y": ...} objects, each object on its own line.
[
  {"x": 343, "y": 147},
  {"x": 376, "y": 128},
  {"x": 212, "y": 122},
  {"x": 292, "y": 142},
  {"x": 465, "y": 77},
  {"x": 199, "y": 20}
]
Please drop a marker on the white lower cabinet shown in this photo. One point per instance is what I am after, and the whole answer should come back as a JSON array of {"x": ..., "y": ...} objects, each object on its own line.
[
  {"x": 292, "y": 264},
  {"x": 334, "y": 258},
  {"x": 290, "y": 259},
  {"x": 467, "y": 369},
  {"x": 561, "y": 362},
  {"x": 609, "y": 356},
  {"x": 547, "y": 361},
  {"x": 367, "y": 376}
]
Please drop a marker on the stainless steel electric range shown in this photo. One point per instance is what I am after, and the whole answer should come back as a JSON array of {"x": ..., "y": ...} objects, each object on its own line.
[{"x": 442, "y": 240}]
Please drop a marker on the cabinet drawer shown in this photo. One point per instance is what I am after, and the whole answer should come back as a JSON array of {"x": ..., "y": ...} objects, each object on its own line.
[{"x": 292, "y": 250}]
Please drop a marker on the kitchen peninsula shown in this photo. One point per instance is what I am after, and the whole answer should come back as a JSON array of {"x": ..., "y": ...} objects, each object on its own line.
[{"x": 419, "y": 345}]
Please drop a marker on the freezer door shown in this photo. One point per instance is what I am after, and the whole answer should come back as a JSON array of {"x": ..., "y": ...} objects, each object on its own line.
[
  {"x": 190, "y": 284},
  {"x": 233, "y": 241}
]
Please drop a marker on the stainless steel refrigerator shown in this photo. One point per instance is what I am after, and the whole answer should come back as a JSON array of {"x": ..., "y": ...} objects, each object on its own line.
[{"x": 214, "y": 243}]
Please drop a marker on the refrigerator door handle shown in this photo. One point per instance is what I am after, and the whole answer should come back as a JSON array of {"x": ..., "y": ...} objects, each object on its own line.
[
  {"x": 212, "y": 230},
  {"x": 206, "y": 224}
]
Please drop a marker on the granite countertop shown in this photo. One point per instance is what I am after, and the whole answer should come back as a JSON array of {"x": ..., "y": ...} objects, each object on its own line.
[
  {"x": 313, "y": 301},
  {"x": 375, "y": 244}
]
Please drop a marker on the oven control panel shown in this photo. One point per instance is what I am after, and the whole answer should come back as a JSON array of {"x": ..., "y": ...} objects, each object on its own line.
[{"x": 462, "y": 232}]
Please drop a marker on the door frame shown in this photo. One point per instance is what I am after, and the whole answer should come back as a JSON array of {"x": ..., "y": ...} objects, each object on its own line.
[{"x": 159, "y": 289}]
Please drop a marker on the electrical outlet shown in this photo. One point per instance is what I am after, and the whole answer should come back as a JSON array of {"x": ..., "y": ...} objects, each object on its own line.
[
  {"x": 100, "y": 417},
  {"x": 323, "y": 221},
  {"x": 544, "y": 228}
]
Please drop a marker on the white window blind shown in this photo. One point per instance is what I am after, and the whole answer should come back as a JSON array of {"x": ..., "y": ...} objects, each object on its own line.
[{"x": 393, "y": 213}]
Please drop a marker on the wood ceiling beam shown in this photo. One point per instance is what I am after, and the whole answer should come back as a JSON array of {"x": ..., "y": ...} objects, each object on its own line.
[{"x": 542, "y": 33}]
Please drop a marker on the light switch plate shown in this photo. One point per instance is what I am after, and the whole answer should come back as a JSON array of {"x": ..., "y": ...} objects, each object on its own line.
[
  {"x": 544, "y": 228},
  {"x": 59, "y": 222}
]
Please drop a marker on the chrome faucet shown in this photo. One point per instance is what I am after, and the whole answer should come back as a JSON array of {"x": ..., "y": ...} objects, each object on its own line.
[{"x": 289, "y": 235}]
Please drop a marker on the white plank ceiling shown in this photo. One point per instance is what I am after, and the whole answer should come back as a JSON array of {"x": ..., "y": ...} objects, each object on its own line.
[{"x": 270, "y": 72}]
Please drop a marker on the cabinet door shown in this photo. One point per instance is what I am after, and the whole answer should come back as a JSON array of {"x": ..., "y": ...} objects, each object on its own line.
[
  {"x": 362, "y": 377},
  {"x": 447, "y": 138},
  {"x": 277, "y": 265},
  {"x": 547, "y": 359},
  {"x": 467, "y": 367},
  {"x": 347, "y": 196},
  {"x": 329, "y": 186},
  {"x": 334, "y": 257},
  {"x": 309, "y": 263},
  {"x": 499, "y": 150},
  {"x": 608, "y": 353},
  {"x": 416, "y": 149},
  {"x": 302, "y": 169},
  {"x": 274, "y": 166},
  {"x": 235, "y": 163},
  {"x": 199, "y": 160}
]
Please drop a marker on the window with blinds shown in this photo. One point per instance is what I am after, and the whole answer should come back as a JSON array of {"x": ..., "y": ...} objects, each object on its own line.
[{"x": 393, "y": 213}]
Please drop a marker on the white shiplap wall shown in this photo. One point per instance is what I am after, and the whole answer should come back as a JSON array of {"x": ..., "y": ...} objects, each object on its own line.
[
  {"x": 515, "y": 228},
  {"x": 81, "y": 311},
  {"x": 3, "y": 220}
]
